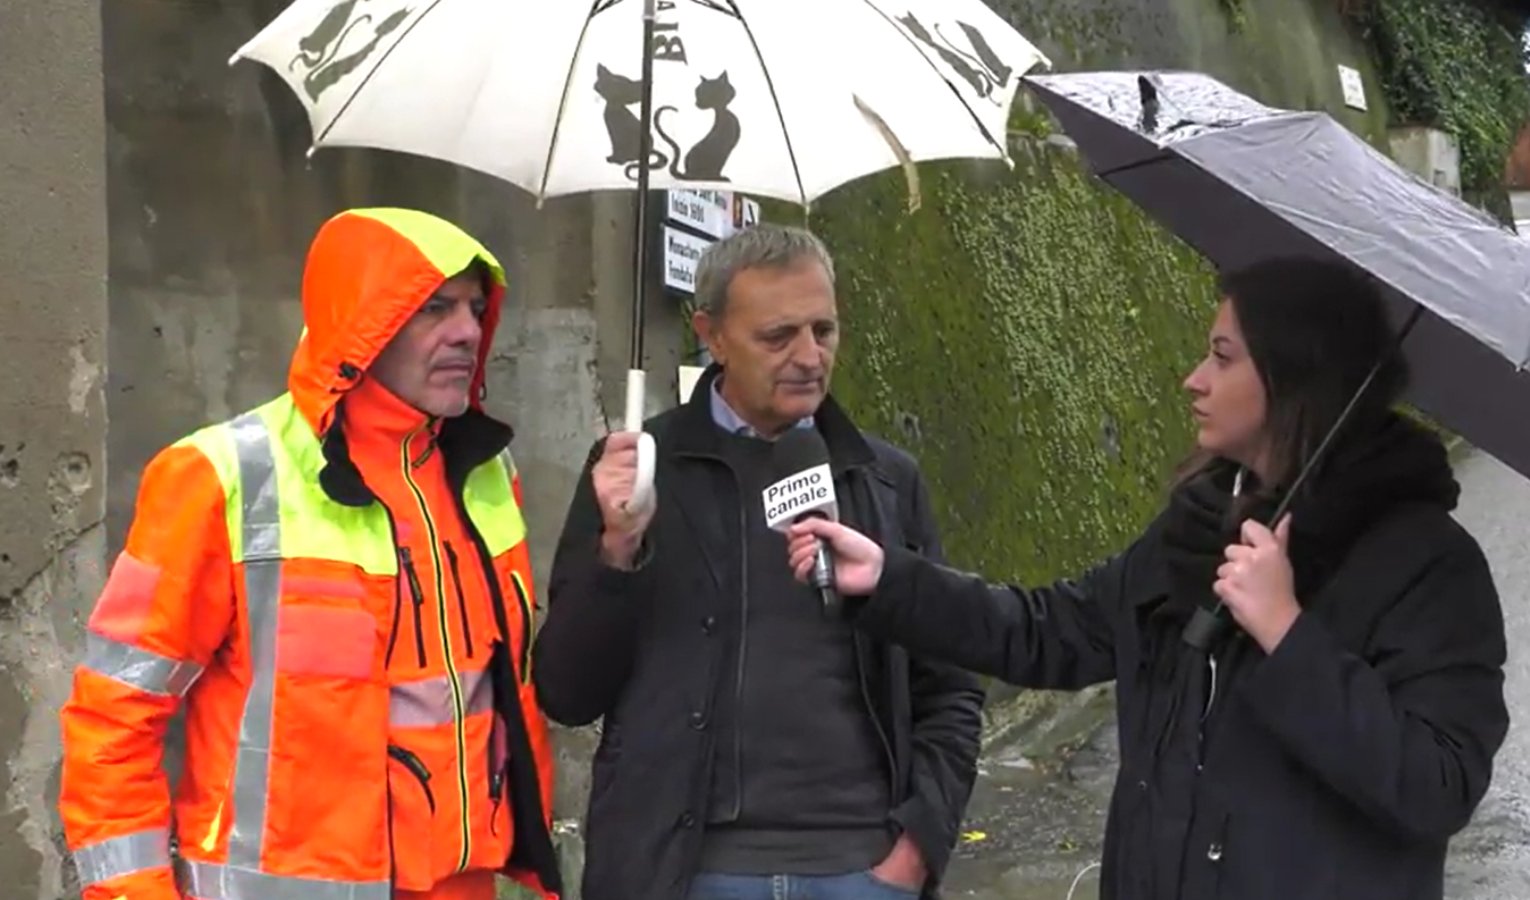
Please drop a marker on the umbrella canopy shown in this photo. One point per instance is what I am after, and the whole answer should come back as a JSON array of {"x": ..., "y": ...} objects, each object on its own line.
[
  {"x": 777, "y": 98},
  {"x": 1240, "y": 182}
]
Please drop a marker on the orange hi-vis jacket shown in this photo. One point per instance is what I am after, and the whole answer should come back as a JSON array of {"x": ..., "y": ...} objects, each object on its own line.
[{"x": 338, "y": 590}]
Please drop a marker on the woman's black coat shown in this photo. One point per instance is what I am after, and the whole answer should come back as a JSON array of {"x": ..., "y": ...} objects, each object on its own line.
[{"x": 1337, "y": 766}]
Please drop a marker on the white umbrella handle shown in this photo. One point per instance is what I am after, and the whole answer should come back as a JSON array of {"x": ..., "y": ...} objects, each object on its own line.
[{"x": 647, "y": 452}]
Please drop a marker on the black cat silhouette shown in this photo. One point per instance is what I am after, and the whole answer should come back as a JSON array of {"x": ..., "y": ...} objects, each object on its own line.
[
  {"x": 322, "y": 79},
  {"x": 708, "y": 157},
  {"x": 990, "y": 59},
  {"x": 622, "y": 125},
  {"x": 988, "y": 74},
  {"x": 313, "y": 47}
]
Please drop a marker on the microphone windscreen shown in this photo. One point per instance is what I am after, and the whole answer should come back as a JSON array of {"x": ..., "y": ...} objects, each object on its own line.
[
  {"x": 798, "y": 450},
  {"x": 801, "y": 481}
]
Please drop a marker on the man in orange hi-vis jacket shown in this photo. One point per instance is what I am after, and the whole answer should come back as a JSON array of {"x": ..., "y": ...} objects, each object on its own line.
[{"x": 337, "y": 587}]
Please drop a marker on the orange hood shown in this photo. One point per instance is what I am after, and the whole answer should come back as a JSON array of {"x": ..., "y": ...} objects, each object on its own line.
[{"x": 368, "y": 271}]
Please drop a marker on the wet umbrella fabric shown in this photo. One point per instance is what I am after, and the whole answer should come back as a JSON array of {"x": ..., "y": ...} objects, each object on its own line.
[{"x": 1241, "y": 182}]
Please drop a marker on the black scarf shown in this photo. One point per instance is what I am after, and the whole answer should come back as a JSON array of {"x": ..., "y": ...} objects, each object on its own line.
[{"x": 1364, "y": 478}]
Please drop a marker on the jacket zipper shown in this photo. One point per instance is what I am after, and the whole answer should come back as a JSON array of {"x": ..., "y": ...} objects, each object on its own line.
[
  {"x": 865, "y": 684},
  {"x": 496, "y": 774},
  {"x": 871, "y": 710},
  {"x": 458, "y": 713},
  {"x": 417, "y": 768},
  {"x": 743, "y": 645},
  {"x": 467, "y": 634},
  {"x": 419, "y": 602},
  {"x": 392, "y": 849},
  {"x": 398, "y": 608},
  {"x": 526, "y": 615},
  {"x": 1211, "y": 699}
]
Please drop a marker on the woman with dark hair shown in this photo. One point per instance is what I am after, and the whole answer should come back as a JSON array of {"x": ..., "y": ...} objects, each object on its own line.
[{"x": 1331, "y": 740}]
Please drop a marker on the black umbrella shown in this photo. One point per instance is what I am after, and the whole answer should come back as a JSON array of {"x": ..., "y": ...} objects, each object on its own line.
[{"x": 1241, "y": 182}]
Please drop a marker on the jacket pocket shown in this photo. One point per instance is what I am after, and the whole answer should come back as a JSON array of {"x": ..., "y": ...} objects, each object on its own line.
[
  {"x": 499, "y": 766},
  {"x": 413, "y": 825},
  {"x": 328, "y": 707},
  {"x": 523, "y": 597},
  {"x": 417, "y": 596},
  {"x": 416, "y": 767},
  {"x": 502, "y": 680},
  {"x": 462, "y": 607}
]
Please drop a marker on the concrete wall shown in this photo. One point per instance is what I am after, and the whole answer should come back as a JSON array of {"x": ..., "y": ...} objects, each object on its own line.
[{"x": 52, "y": 418}]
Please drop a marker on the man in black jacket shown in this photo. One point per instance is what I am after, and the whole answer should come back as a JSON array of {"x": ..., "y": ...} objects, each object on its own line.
[{"x": 750, "y": 743}]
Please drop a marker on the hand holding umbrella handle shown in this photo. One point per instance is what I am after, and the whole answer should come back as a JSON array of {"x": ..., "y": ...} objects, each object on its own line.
[{"x": 647, "y": 451}]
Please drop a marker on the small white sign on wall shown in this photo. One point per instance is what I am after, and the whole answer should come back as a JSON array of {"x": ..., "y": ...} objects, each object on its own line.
[
  {"x": 1354, "y": 87},
  {"x": 686, "y": 382},
  {"x": 681, "y": 253}
]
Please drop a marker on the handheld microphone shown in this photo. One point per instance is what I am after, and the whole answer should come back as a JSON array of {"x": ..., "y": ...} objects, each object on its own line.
[{"x": 803, "y": 486}]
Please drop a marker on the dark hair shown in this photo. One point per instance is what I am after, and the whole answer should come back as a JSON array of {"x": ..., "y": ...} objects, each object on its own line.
[{"x": 1314, "y": 330}]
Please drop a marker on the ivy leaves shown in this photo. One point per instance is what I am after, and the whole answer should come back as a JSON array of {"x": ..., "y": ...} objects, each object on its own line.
[{"x": 1456, "y": 65}]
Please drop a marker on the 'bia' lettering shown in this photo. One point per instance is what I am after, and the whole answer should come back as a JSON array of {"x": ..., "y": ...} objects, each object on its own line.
[{"x": 667, "y": 47}]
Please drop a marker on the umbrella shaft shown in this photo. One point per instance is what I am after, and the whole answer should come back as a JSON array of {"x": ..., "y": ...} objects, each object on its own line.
[{"x": 645, "y": 150}]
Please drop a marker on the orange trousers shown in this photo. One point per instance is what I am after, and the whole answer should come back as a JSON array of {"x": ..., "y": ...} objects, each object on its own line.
[{"x": 476, "y": 885}]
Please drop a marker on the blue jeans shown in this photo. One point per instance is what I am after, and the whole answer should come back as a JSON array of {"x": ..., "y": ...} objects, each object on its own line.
[{"x": 854, "y": 886}]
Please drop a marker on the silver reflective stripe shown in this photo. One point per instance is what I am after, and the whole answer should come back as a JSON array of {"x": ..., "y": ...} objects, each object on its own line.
[
  {"x": 124, "y": 855},
  {"x": 479, "y": 691},
  {"x": 261, "y": 530},
  {"x": 138, "y": 668},
  {"x": 206, "y": 881},
  {"x": 429, "y": 701}
]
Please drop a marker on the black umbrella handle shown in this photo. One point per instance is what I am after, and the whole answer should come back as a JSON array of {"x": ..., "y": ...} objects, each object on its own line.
[{"x": 1206, "y": 626}]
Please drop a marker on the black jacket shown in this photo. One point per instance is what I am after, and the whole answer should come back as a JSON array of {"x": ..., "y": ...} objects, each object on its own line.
[
  {"x": 1336, "y": 767},
  {"x": 642, "y": 650}
]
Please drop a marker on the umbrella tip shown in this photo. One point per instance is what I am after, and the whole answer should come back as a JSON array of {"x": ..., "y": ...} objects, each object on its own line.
[
  {"x": 238, "y": 55},
  {"x": 312, "y": 149}
]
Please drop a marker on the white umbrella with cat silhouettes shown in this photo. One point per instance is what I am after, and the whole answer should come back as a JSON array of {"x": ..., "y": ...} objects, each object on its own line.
[{"x": 776, "y": 98}]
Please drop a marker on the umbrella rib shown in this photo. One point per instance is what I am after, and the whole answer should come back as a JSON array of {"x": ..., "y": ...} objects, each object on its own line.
[
  {"x": 368, "y": 80},
  {"x": 976, "y": 120},
  {"x": 597, "y": 7},
  {"x": 1163, "y": 155},
  {"x": 775, "y": 100}
]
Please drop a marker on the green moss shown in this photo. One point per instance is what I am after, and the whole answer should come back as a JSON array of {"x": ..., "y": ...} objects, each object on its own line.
[
  {"x": 1024, "y": 334},
  {"x": 1237, "y": 14}
]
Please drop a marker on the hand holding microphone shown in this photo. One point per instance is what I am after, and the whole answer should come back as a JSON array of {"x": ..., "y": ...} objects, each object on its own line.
[
  {"x": 802, "y": 504},
  {"x": 857, "y": 558}
]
